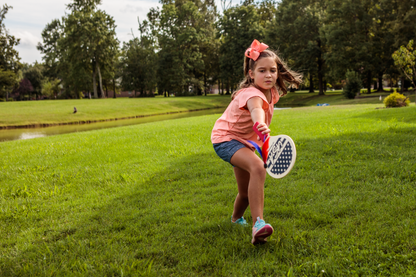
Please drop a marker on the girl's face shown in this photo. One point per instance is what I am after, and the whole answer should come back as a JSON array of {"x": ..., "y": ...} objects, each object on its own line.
[{"x": 264, "y": 74}]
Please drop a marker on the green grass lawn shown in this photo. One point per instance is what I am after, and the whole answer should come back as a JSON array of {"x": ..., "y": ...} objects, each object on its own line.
[
  {"x": 47, "y": 112},
  {"x": 303, "y": 98},
  {"x": 155, "y": 200}
]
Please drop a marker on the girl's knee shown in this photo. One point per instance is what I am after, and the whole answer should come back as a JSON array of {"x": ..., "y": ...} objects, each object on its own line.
[
  {"x": 243, "y": 195},
  {"x": 258, "y": 170}
]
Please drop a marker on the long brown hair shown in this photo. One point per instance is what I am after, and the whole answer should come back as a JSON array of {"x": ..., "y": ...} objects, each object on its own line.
[{"x": 285, "y": 74}]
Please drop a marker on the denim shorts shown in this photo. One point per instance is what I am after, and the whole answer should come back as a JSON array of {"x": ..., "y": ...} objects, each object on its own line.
[{"x": 225, "y": 150}]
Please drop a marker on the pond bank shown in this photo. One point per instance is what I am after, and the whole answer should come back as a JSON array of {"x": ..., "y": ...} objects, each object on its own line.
[{"x": 43, "y": 125}]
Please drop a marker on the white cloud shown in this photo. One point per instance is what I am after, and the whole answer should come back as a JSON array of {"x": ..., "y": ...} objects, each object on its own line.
[
  {"x": 131, "y": 9},
  {"x": 27, "y": 39}
]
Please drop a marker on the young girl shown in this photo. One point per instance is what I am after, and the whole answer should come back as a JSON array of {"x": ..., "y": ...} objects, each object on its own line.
[{"x": 264, "y": 74}]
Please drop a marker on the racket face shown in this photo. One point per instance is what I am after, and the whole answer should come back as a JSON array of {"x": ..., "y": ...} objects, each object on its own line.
[{"x": 282, "y": 156}]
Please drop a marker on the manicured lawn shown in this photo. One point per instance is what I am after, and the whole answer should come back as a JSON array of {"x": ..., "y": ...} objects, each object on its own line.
[
  {"x": 61, "y": 111},
  {"x": 155, "y": 200},
  {"x": 303, "y": 98}
]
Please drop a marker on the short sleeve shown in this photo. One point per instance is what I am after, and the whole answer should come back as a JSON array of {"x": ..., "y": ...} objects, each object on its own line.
[
  {"x": 249, "y": 93},
  {"x": 276, "y": 96}
]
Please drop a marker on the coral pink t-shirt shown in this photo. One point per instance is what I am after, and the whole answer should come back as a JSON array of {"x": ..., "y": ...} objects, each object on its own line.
[{"x": 236, "y": 123}]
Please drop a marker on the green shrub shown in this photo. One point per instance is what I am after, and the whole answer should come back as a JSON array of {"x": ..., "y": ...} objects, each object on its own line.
[
  {"x": 396, "y": 100},
  {"x": 352, "y": 86}
]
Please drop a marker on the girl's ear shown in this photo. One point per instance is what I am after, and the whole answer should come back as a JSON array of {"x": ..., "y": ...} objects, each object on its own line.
[{"x": 250, "y": 73}]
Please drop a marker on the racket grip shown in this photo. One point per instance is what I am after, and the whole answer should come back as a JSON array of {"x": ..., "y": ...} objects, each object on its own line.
[{"x": 261, "y": 136}]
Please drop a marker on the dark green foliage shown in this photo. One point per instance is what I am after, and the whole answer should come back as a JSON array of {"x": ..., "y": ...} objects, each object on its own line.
[
  {"x": 81, "y": 48},
  {"x": 353, "y": 85},
  {"x": 238, "y": 27},
  {"x": 9, "y": 57},
  {"x": 138, "y": 62},
  {"x": 193, "y": 47},
  {"x": 296, "y": 32}
]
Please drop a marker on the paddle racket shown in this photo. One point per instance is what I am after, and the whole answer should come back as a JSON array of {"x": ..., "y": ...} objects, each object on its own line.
[{"x": 278, "y": 153}]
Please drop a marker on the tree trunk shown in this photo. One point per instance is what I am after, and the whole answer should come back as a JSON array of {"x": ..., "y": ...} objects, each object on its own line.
[
  {"x": 106, "y": 90},
  {"x": 380, "y": 81},
  {"x": 205, "y": 84},
  {"x": 402, "y": 79},
  {"x": 414, "y": 84},
  {"x": 311, "y": 90},
  {"x": 321, "y": 83},
  {"x": 320, "y": 68},
  {"x": 101, "y": 81},
  {"x": 114, "y": 88},
  {"x": 94, "y": 83},
  {"x": 369, "y": 82}
]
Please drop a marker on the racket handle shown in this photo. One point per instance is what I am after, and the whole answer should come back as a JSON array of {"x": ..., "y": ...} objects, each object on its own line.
[{"x": 261, "y": 136}]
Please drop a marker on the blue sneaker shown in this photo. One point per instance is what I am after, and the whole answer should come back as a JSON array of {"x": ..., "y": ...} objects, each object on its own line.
[
  {"x": 240, "y": 221},
  {"x": 261, "y": 231}
]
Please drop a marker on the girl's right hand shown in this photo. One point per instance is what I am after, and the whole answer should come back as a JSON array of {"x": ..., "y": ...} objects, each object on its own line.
[{"x": 263, "y": 129}]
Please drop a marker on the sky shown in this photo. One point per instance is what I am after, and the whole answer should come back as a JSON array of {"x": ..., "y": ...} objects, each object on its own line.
[{"x": 28, "y": 18}]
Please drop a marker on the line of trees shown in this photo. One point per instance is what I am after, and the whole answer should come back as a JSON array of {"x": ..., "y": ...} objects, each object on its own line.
[{"x": 187, "y": 46}]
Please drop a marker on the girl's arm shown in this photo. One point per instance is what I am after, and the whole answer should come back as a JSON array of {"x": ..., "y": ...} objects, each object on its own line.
[{"x": 255, "y": 107}]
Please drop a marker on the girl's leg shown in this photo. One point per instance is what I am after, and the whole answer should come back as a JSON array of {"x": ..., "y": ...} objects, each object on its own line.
[
  {"x": 241, "y": 201},
  {"x": 246, "y": 160}
]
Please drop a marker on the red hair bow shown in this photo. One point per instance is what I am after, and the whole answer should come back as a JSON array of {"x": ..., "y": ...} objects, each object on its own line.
[{"x": 256, "y": 48}]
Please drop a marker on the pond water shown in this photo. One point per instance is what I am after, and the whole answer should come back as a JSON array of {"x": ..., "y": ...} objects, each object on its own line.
[{"x": 29, "y": 133}]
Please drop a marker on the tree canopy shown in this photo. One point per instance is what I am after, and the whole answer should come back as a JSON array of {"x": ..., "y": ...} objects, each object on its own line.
[
  {"x": 9, "y": 58},
  {"x": 186, "y": 46}
]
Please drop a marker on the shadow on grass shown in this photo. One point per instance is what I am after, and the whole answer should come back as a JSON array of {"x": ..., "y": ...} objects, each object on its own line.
[{"x": 354, "y": 190}]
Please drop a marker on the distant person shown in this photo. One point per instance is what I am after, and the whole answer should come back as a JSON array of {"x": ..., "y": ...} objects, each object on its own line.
[
  {"x": 265, "y": 75},
  {"x": 75, "y": 110}
]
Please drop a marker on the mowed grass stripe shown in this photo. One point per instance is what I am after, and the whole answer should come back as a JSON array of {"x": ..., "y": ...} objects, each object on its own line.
[{"x": 154, "y": 199}]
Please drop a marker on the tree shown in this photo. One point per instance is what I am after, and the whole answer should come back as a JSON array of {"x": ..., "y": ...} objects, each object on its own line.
[
  {"x": 80, "y": 47},
  {"x": 24, "y": 90},
  {"x": 349, "y": 36},
  {"x": 405, "y": 59},
  {"x": 139, "y": 62},
  {"x": 237, "y": 28},
  {"x": 90, "y": 39},
  {"x": 52, "y": 56},
  {"x": 184, "y": 31},
  {"x": 383, "y": 14},
  {"x": 352, "y": 86},
  {"x": 51, "y": 87},
  {"x": 296, "y": 30},
  {"x": 9, "y": 58},
  {"x": 34, "y": 73}
]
